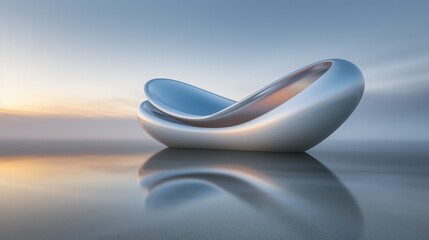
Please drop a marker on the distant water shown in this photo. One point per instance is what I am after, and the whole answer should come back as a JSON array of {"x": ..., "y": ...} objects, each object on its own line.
[{"x": 138, "y": 190}]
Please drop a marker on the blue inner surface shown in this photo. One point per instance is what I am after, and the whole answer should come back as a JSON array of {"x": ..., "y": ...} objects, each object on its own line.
[{"x": 186, "y": 98}]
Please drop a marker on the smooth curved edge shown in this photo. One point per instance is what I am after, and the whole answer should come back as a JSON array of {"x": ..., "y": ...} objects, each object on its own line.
[
  {"x": 256, "y": 104},
  {"x": 186, "y": 93}
]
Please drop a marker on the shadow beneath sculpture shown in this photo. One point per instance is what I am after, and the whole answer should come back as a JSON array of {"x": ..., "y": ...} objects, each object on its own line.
[{"x": 294, "y": 190}]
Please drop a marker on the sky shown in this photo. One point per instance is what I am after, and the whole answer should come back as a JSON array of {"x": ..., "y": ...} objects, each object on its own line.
[{"x": 79, "y": 67}]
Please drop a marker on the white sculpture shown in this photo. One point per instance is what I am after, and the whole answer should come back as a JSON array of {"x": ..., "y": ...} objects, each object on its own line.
[{"x": 291, "y": 114}]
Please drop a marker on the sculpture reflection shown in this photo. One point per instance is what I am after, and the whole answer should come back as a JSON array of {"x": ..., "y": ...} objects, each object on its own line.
[{"x": 293, "y": 188}]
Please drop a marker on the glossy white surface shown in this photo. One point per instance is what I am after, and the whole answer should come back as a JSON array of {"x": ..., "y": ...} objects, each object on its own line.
[
  {"x": 199, "y": 107},
  {"x": 292, "y": 114}
]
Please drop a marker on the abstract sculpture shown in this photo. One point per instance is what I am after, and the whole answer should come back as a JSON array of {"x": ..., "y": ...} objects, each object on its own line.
[{"x": 292, "y": 114}]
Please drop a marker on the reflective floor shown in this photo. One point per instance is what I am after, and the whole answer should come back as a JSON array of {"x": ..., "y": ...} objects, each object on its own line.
[{"x": 138, "y": 190}]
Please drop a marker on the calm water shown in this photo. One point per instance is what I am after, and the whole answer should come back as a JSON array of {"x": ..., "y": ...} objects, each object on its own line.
[{"x": 138, "y": 190}]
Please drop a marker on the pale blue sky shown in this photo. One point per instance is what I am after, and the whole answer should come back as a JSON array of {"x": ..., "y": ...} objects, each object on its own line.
[{"x": 90, "y": 58}]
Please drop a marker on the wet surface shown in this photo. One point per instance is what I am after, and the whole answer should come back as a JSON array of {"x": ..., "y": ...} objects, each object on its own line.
[{"x": 129, "y": 190}]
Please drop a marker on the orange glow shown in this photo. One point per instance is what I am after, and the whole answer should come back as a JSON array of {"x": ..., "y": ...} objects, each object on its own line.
[
  {"x": 41, "y": 169},
  {"x": 88, "y": 111}
]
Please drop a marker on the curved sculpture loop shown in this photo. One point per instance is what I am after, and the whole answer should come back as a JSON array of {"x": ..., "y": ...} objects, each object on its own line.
[{"x": 291, "y": 114}]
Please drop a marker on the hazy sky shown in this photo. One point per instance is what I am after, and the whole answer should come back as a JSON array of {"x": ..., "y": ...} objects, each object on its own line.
[{"x": 92, "y": 58}]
